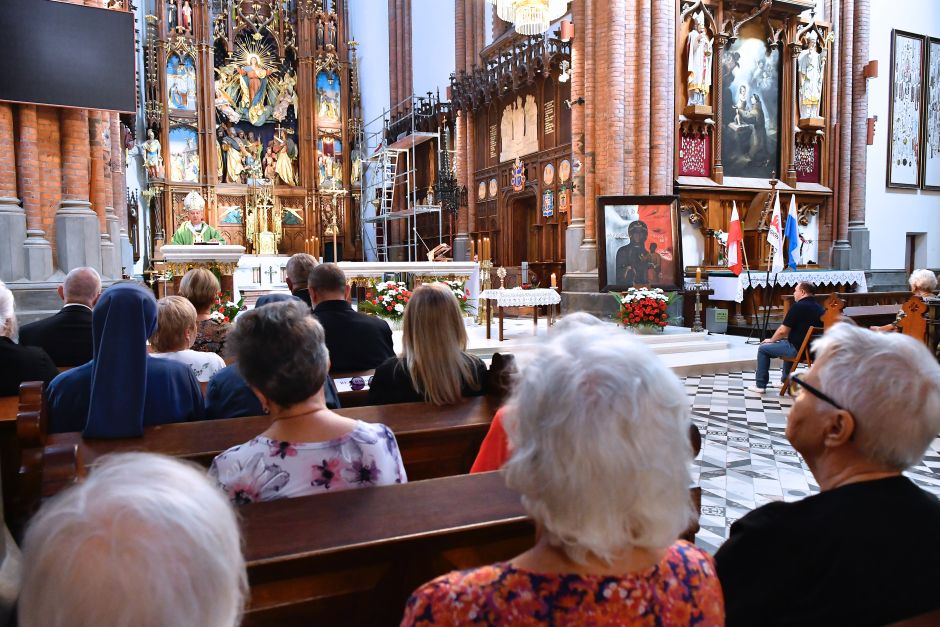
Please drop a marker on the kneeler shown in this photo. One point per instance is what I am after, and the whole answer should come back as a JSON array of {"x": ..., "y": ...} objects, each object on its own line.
[{"x": 802, "y": 356}]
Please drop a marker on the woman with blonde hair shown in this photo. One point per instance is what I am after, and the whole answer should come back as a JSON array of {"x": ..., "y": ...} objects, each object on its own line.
[
  {"x": 176, "y": 331},
  {"x": 200, "y": 287},
  {"x": 434, "y": 366}
]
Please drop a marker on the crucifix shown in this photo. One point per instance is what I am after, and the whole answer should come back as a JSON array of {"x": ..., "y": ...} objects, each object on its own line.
[{"x": 270, "y": 274}]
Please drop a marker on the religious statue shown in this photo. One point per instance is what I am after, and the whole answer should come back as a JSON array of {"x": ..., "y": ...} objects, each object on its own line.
[
  {"x": 286, "y": 97},
  {"x": 699, "y": 49},
  {"x": 319, "y": 34},
  {"x": 186, "y": 17},
  {"x": 811, "y": 64},
  {"x": 171, "y": 16},
  {"x": 231, "y": 157},
  {"x": 224, "y": 102},
  {"x": 195, "y": 230},
  {"x": 282, "y": 152},
  {"x": 519, "y": 128},
  {"x": 332, "y": 34},
  {"x": 254, "y": 83},
  {"x": 153, "y": 156}
]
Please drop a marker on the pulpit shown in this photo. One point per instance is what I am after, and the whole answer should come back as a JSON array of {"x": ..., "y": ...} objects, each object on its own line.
[{"x": 220, "y": 258}]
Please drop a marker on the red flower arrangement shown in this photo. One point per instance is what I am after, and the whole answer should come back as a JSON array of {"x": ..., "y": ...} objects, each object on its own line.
[
  {"x": 224, "y": 309},
  {"x": 644, "y": 307},
  {"x": 386, "y": 300}
]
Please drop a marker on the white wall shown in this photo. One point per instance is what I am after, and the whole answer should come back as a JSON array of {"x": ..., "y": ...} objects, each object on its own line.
[
  {"x": 890, "y": 214},
  {"x": 368, "y": 24},
  {"x": 432, "y": 40}
]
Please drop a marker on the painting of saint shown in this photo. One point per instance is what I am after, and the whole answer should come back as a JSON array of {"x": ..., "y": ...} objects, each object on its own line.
[
  {"x": 640, "y": 245},
  {"x": 328, "y": 99},
  {"x": 750, "y": 141},
  {"x": 184, "y": 154},
  {"x": 932, "y": 117},
  {"x": 904, "y": 148},
  {"x": 329, "y": 162},
  {"x": 181, "y": 82}
]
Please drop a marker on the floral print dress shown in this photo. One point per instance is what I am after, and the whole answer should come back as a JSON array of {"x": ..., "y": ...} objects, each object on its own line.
[
  {"x": 265, "y": 469},
  {"x": 683, "y": 589}
]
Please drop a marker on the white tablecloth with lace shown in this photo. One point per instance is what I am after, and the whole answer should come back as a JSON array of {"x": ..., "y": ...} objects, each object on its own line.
[
  {"x": 732, "y": 288},
  {"x": 517, "y": 297}
]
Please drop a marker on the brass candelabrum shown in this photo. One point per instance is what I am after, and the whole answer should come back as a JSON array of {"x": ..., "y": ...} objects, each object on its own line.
[
  {"x": 698, "y": 318},
  {"x": 486, "y": 266}
]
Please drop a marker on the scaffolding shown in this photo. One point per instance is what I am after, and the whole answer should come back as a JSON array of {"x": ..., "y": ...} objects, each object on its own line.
[{"x": 390, "y": 170}]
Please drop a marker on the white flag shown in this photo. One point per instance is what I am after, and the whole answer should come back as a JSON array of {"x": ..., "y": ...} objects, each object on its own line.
[
  {"x": 735, "y": 242},
  {"x": 775, "y": 237}
]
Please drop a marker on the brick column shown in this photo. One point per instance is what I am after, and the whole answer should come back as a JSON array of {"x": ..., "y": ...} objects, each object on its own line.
[
  {"x": 78, "y": 231},
  {"x": 28, "y": 176},
  {"x": 662, "y": 90},
  {"x": 844, "y": 45},
  {"x": 101, "y": 187},
  {"x": 461, "y": 240},
  {"x": 860, "y": 258},
  {"x": 393, "y": 53},
  {"x": 12, "y": 216}
]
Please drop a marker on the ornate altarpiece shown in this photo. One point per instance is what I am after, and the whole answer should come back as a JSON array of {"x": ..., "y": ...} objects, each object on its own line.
[
  {"x": 523, "y": 170},
  {"x": 256, "y": 105}
]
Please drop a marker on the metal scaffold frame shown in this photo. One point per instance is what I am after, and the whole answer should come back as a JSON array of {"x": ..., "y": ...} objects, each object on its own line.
[{"x": 389, "y": 166}]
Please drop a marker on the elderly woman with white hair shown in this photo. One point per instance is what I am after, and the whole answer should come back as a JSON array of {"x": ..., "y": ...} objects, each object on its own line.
[
  {"x": 598, "y": 429},
  {"x": 144, "y": 540},
  {"x": 923, "y": 283},
  {"x": 864, "y": 551},
  {"x": 19, "y": 363}
]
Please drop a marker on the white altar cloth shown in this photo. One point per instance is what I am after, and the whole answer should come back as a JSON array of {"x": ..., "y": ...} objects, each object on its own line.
[
  {"x": 732, "y": 287},
  {"x": 518, "y": 297}
]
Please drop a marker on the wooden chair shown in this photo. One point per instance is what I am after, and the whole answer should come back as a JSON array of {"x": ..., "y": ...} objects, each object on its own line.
[
  {"x": 833, "y": 306},
  {"x": 914, "y": 322},
  {"x": 802, "y": 356}
]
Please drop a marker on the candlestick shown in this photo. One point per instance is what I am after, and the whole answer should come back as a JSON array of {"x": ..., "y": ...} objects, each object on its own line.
[
  {"x": 698, "y": 275},
  {"x": 554, "y": 280},
  {"x": 473, "y": 249}
]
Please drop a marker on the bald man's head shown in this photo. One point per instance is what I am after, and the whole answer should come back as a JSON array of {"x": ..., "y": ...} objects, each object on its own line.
[{"x": 82, "y": 286}]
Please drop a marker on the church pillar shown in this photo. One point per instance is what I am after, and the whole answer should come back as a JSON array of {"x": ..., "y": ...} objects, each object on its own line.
[
  {"x": 12, "y": 216},
  {"x": 841, "y": 250},
  {"x": 575, "y": 261},
  {"x": 77, "y": 226},
  {"x": 37, "y": 248},
  {"x": 393, "y": 54},
  {"x": 499, "y": 26},
  {"x": 662, "y": 91},
  {"x": 119, "y": 194},
  {"x": 860, "y": 257},
  {"x": 100, "y": 186}
]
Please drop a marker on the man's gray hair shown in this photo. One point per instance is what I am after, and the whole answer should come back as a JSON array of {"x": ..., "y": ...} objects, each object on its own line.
[
  {"x": 298, "y": 269},
  {"x": 599, "y": 432},
  {"x": 7, "y": 312},
  {"x": 923, "y": 280},
  {"x": 82, "y": 285},
  {"x": 144, "y": 540},
  {"x": 891, "y": 385}
]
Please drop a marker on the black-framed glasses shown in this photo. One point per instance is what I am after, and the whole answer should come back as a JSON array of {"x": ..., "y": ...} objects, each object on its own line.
[{"x": 796, "y": 383}]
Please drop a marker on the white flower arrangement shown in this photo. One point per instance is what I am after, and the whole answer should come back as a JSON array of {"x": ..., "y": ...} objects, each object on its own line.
[{"x": 635, "y": 294}]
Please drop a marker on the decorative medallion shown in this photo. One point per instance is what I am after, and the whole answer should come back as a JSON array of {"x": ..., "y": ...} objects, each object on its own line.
[
  {"x": 481, "y": 190},
  {"x": 548, "y": 174},
  {"x": 548, "y": 203},
  {"x": 518, "y": 175},
  {"x": 564, "y": 200},
  {"x": 494, "y": 187},
  {"x": 564, "y": 170}
]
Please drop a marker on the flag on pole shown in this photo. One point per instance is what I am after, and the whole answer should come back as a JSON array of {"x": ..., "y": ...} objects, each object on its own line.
[
  {"x": 735, "y": 242},
  {"x": 792, "y": 233},
  {"x": 775, "y": 237}
]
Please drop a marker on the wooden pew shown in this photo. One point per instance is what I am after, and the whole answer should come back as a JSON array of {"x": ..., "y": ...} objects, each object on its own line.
[
  {"x": 914, "y": 307},
  {"x": 353, "y": 557},
  {"x": 354, "y": 398}
]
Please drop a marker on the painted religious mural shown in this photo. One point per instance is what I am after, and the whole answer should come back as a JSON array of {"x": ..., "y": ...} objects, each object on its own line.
[
  {"x": 184, "y": 154},
  {"x": 328, "y": 99},
  {"x": 329, "y": 162},
  {"x": 751, "y": 79},
  {"x": 181, "y": 82}
]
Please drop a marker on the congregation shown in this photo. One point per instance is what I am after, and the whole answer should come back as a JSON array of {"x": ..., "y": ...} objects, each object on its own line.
[{"x": 593, "y": 435}]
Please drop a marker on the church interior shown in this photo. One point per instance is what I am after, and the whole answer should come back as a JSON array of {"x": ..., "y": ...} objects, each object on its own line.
[{"x": 464, "y": 312}]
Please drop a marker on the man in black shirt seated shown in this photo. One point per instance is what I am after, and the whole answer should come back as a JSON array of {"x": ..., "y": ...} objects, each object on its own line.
[
  {"x": 355, "y": 340},
  {"x": 864, "y": 551},
  {"x": 66, "y": 336},
  {"x": 297, "y": 273},
  {"x": 787, "y": 339}
]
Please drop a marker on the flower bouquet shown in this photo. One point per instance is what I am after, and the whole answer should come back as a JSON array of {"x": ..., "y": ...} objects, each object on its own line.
[
  {"x": 224, "y": 309},
  {"x": 644, "y": 308},
  {"x": 461, "y": 293},
  {"x": 386, "y": 300}
]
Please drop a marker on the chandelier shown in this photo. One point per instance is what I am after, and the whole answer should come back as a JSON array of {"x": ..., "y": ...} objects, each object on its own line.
[{"x": 530, "y": 17}]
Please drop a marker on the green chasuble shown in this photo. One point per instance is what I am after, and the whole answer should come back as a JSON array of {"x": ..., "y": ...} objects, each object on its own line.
[{"x": 185, "y": 236}]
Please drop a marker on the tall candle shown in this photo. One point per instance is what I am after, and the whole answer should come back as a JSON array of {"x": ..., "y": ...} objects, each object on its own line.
[
  {"x": 554, "y": 280},
  {"x": 698, "y": 275},
  {"x": 473, "y": 249}
]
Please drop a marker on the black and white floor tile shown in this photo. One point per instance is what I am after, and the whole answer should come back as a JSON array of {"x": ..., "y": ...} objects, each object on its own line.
[{"x": 746, "y": 460}]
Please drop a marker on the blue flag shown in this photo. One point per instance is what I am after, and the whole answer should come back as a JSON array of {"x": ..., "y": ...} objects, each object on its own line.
[{"x": 791, "y": 234}]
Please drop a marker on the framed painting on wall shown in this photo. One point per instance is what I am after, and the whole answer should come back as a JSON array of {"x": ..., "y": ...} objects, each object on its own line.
[
  {"x": 904, "y": 109},
  {"x": 930, "y": 178},
  {"x": 638, "y": 242}
]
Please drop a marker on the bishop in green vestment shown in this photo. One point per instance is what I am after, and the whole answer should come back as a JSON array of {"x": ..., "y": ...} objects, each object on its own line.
[{"x": 195, "y": 230}]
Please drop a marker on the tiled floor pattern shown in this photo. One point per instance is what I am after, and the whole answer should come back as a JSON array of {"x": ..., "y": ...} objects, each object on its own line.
[{"x": 746, "y": 460}]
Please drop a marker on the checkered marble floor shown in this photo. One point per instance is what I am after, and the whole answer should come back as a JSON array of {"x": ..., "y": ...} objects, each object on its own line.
[{"x": 746, "y": 460}]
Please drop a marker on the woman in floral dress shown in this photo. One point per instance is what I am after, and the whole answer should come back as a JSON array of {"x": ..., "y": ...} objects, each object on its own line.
[
  {"x": 598, "y": 429},
  {"x": 308, "y": 449},
  {"x": 200, "y": 287}
]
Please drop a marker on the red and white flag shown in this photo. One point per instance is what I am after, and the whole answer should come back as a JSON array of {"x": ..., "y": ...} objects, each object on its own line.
[
  {"x": 775, "y": 237},
  {"x": 735, "y": 242}
]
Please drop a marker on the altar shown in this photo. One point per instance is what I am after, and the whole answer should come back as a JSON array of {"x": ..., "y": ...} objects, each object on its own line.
[{"x": 266, "y": 273}]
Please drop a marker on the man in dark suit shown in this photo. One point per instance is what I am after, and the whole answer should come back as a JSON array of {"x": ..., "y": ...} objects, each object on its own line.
[
  {"x": 66, "y": 336},
  {"x": 297, "y": 273},
  {"x": 355, "y": 341}
]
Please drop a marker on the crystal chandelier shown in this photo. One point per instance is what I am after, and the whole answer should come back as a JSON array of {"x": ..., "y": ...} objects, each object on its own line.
[{"x": 530, "y": 17}]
